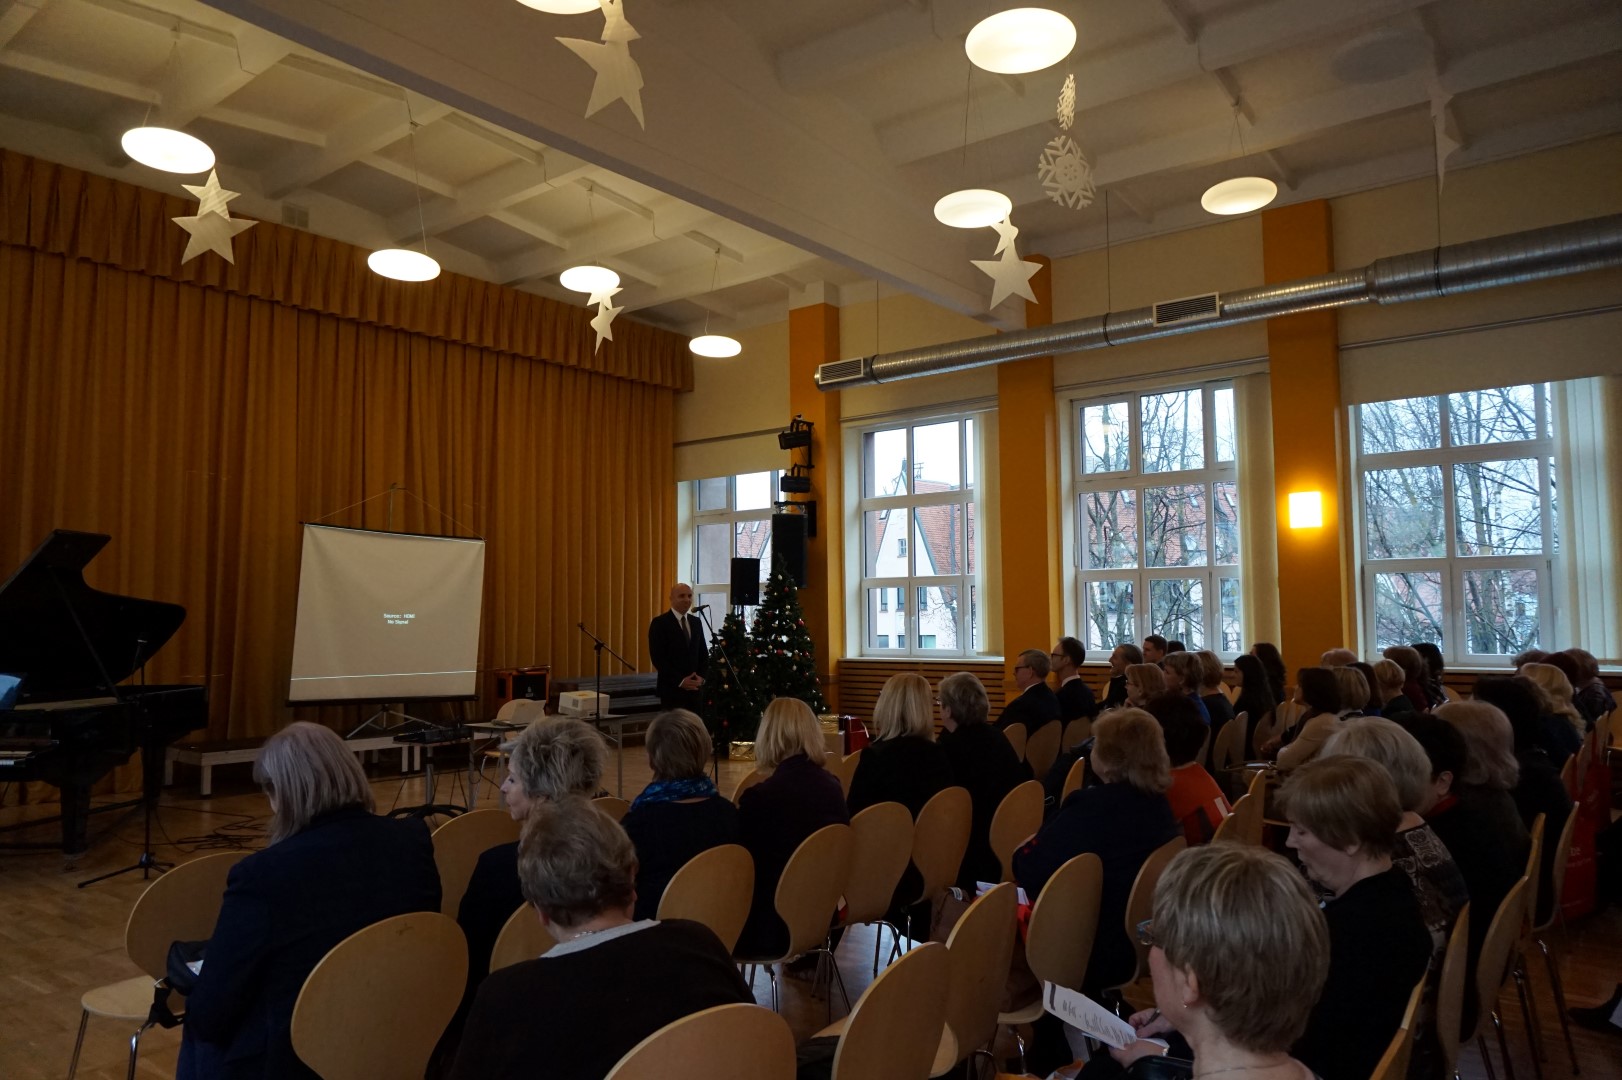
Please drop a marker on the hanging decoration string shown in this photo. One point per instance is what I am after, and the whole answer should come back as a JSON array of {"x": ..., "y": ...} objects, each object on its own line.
[{"x": 416, "y": 178}]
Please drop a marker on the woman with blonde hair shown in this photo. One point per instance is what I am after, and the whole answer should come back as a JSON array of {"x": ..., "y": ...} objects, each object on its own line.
[
  {"x": 1184, "y": 675},
  {"x": 1144, "y": 681},
  {"x": 903, "y": 764},
  {"x": 1394, "y": 703},
  {"x": 1557, "y": 693}
]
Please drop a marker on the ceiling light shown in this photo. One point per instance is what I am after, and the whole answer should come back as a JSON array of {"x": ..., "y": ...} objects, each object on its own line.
[
  {"x": 168, "y": 149},
  {"x": 1240, "y": 195},
  {"x": 717, "y": 345},
  {"x": 561, "y": 7},
  {"x": 403, "y": 264},
  {"x": 973, "y": 208},
  {"x": 1019, "y": 40},
  {"x": 588, "y": 279}
]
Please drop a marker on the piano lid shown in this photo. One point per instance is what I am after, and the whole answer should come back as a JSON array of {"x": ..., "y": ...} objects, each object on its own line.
[{"x": 68, "y": 639}]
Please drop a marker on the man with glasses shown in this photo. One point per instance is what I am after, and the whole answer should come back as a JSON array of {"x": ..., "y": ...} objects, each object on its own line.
[
  {"x": 1075, "y": 696},
  {"x": 1037, "y": 705}
]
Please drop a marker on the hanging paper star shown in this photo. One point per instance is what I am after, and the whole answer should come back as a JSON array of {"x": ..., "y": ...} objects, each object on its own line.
[
  {"x": 618, "y": 76},
  {"x": 1006, "y": 231},
  {"x": 211, "y": 232},
  {"x": 1009, "y": 274},
  {"x": 211, "y": 198},
  {"x": 602, "y": 322},
  {"x": 601, "y": 296}
]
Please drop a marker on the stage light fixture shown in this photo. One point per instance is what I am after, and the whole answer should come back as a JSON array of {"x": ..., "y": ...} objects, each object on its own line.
[{"x": 796, "y": 435}]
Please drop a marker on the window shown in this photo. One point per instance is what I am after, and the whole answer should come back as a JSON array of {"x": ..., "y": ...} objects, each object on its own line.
[
  {"x": 1157, "y": 517},
  {"x": 1456, "y": 518},
  {"x": 732, "y": 518},
  {"x": 919, "y": 557}
]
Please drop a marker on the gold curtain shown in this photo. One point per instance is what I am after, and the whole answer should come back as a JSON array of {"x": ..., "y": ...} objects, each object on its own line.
[{"x": 199, "y": 415}]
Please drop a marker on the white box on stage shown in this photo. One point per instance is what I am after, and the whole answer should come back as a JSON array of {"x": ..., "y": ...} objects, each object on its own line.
[{"x": 582, "y": 703}]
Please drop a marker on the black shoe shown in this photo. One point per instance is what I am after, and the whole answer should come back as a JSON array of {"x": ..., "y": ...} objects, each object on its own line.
[{"x": 1598, "y": 1017}]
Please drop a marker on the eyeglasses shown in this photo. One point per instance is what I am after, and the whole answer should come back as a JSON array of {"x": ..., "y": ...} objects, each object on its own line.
[
  {"x": 1022, "y": 667},
  {"x": 1146, "y": 933}
]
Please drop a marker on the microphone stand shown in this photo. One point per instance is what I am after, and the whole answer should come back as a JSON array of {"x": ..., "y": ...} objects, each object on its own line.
[
  {"x": 151, "y": 779},
  {"x": 597, "y": 647},
  {"x": 715, "y": 755}
]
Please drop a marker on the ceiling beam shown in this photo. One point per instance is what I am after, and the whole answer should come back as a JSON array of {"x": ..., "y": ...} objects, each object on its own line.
[
  {"x": 534, "y": 154},
  {"x": 603, "y": 242},
  {"x": 15, "y": 15},
  {"x": 695, "y": 282},
  {"x": 376, "y": 127},
  {"x": 505, "y": 187},
  {"x": 1134, "y": 206},
  {"x": 69, "y": 75},
  {"x": 265, "y": 125},
  {"x": 711, "y": 244},
  {"x": 401, "y": 170},
  {"x": 531, "y": 228},
  {"x": 854, "y": 50},
  {"x": 1181, "y": 19},
  {"x": 1285, "y": 174}
]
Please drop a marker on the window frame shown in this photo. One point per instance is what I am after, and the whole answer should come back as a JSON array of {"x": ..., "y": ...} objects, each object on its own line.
[{"x": 732, "y": 518}]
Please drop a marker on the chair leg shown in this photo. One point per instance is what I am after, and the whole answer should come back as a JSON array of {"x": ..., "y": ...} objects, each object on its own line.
[
  {"x": 1534, "y": 1033},
  {"x": 78, "y": 1044},
  {"x": 1503, "y": 1045},
  {"x": 135, "y": 1046},
  {"x": 838, "y": 976},
  {"x": 1019, "y": 1041},
  {"x": 1560, "y": 1004},
  {"x": 1486, "y": 1058},
  {"x": 771, "y": 970}
]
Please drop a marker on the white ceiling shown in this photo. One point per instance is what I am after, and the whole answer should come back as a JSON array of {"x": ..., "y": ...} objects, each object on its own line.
[{"x": 790, "y": 145}]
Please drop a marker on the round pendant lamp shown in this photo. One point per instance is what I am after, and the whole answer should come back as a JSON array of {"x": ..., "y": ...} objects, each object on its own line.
[
  {"x": 973, "y": 208},
  {"x": 716, "y": 345},
  {"x": 1020, "y": 40},
  {"x": 561, "y": 7},
  {"x": 588, "y": 279},
  {"x": 403, "y": 264},
  {"x": 168, "y": 149},
  {"x": 1240, "y": 195}
]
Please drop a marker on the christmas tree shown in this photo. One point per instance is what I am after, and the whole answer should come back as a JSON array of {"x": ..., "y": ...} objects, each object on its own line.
[
  {"x": 785, "y": 656},
  {"x": 732, "y": 698}
]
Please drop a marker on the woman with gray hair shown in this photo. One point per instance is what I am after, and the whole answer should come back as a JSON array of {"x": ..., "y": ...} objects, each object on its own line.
[
  {"x": 332, "y": 867},
  {"x": 610, "y": 981},
  {"x": 983, "y": 761}
]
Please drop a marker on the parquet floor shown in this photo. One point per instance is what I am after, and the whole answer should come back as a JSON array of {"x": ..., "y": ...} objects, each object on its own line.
[{"x": 57, "y": 940}]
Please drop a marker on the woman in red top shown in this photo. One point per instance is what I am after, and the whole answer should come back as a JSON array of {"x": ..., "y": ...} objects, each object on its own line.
[{"x": 1196, "y": 799}]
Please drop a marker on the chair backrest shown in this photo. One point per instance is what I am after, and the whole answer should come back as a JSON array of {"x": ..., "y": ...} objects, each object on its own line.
[
  {"x": 727, "y": 1042},
  {"x": 1493, "y": 965},
  {"x": 1073, "y": 780},
  {"x": 1562, "y": 858},
  {"x": 1042, "y": 748},
  {"x": 1016, "y": 736},
  {"x": 1018, "y": 816},
  {"x": 615, "y": 808},
  {"x": 1243, "y": 825},
  {"x": 457, "y": 846},
  {"x": 881, "y": 849},
  {"x": 715, "y": 887},
  {"x": 1140, "y": 904},
  {"x": 980, "y": 948},
  {"x": 520, "y": 711},
  {"x": 1064, "y": 922},
  {"x": 1393, "y": 1064},
  {"x": 1583, "y": 757},
  {"x": 844, "y": 768},
  {"x": 940, "y": 837},
  {"x": 182, "y": 905},
  {"x": 1230, "y": 743},
  {"x": 754, "y": 777},
  {"x": 1076, "y": 732},
  {"x": 377, "y": 1003},
  {"x": 894, "y": 1030},
  {"x": 522, "y": 938},
  {"x": 1450, "y": 991},
  {"x": 811, "y": 885},
  {"x": 1568, "y": 776},
  {"x": 1534, "y": 867}
]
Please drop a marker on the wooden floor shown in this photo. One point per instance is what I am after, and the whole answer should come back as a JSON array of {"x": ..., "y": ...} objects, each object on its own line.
[{"x": 57, "y": 940}]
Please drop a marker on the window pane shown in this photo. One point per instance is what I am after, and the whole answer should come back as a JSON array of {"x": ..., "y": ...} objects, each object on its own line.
[
  {"x": 1508, "y": 414},
  {"x": 712, "y": 493},
  {"x": 1111, "y": 522},
  {"x": 1407, "y": 608},
  {"x": 1226, "y": 428},
  {"x": 1225, "y": 522},
  {"x": 971, "y": 539},
  {"x": 714, "y": 551},
  {"x": 1229, "y": 630},
  {"x": 884, "y": 462},
  {"x": 1498, "y": 507},
  {"x": 1177, "y": 610},
  {"x": 938, "y": 618},
  {"x": 1110, "y": 618},
  {"x": 1403, "y": 513},
  {"x": 1104, "y": 435},
  {"x": 1500, "y": 611},
  {"x": 1390, "y": 427},
  {"x": 1174, "y": 526},
  {"x": 1173, "y": 427},
  {"x": 969, "y": 449},
  {"x": 939, "y": 464},
  {"x": 754, "y": 541},
  {"x": 974, "y": 618},
  {"x": 885, "y": 624},
  {"x": 718, "y": 608},
  {"x": 938, "y": 539},
  {"x": 754, "y": 491},
  {"x": 885, "y": 536}
]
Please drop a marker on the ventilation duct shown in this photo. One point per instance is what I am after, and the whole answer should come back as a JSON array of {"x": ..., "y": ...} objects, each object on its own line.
[{"x": 1445, "y": 271}]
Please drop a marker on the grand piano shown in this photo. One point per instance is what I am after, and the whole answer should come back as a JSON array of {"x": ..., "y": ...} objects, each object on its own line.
[{"x": 64, "y": 650}]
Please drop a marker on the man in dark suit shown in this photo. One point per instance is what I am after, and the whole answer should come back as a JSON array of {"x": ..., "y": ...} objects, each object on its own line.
[
  {"x": 1037, "y": 705},
  {"x": 1125, "y": 655},
  {"x": 1075, "y": 696},
  {"x": 680, "y": 653}
]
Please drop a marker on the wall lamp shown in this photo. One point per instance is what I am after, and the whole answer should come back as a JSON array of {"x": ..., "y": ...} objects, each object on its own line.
[{"x": 1306, "y": 510}]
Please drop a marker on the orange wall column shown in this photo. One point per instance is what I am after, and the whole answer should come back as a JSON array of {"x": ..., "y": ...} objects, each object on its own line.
[
  {"x": 1028, "y": 499},
  {"x": 813, "y": 339},
  {"x": 1309, "y": 436}
]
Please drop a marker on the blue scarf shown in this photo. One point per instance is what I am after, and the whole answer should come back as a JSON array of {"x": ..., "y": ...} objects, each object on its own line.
[{"x": 692, "y": 787}]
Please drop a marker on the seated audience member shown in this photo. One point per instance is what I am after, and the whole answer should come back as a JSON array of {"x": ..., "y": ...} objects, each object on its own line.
[
  {"x": 1184, "y": 677},
  {"x": 1317, "y": 689},
  {"x": 610, "y": 981},
  {"x": 1567, "y": 666},
  {"x": 1036, "y": 705},
  {"x": 1394, "y": 704},
  {"x": 1075, "y": 696},
  {"x": 332, "y": 867},
  {"x": 1273, "y": 664},
  {"x": 1344, "y": 816},
  {"x": 680, "y": 814},
  {"x": 1334, "y": 658},
  {"x": 1144, "y": 681},
  {"x": 551, "y": 758},
  {"x": 1239, "y": 952},
  {"x": 1591, "y": 697},
  {"x": 1354, "y": 691},
  {"x": 1371, "y": 707},
  {"x": 1434, "y": 669},
  {"x": 1121, "y": 657},
  {"x": 1414, "y": 672},
  {"x": 1538, "y": 788},
  {"x": 984, "y": 763},
  {"x": 1217, "y": 705},
  {"x": 1196, "y": 799},
  {"x": 778, "y": 813},
  {"x": 1255, "y": 698},
  {"x": 1563, "y": 726},
  {"x": 1530, "y": 656},
  {"x": 1429, "y": 866},
  {"x": 1175, "y": 646},
  {"x": 1154, "y": 649}
]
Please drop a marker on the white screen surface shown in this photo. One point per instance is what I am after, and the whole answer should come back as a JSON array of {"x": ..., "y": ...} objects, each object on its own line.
[{"x": 386, "y": 616}]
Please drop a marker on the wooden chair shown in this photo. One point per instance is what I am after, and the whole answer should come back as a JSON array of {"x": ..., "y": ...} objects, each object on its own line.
[
  {"x": 1493, "y": 967},
  {"x": 1243, "y": 825},
  {"x": 807, "y": 895},
  {"x": 979, "y": 950},
  {"x": 715, "y": 888},
  {"x": 1016, "y": 736},
  {"x": 377, "y": 1003},
  {"x": 882, "y": 848},
  {"x": 1449, "y": 1017},
  {"x": 727, "y": 1042},
  {"x": 522, "y": 938},
  {"x": 1538, "y": 932},
  {"x": 1042, "y": 748},
  {"x": 1229, "y": 751},
  {"x": 1140, "y": 903},
  {"x": 1568, "y": 777},
  {"x": 1018, "y": 816},
  {"x": 845, "y": 769},
  {"x": 1584, "y": 755},
  {"x": 940, "y": 836},
  {"x": 1076, "y": 732},
  {"x": 1393, "y": 1064},
  {"x": 1059, "y": 940},
  {"x": 457, "y": 846},
  {"x": 524, "y": 711},
  {"x": 615, "y": 808},
  {"x": 750, "y": 780},
  {"x": 892, "y": 1034},
  {"x": 181, "y": 905},
  {"x": 1074, "y": 780}
]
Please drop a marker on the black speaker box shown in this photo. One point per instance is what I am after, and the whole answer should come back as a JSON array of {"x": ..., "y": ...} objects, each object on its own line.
[
  {"x": 745, "y": 582},
  {"x": 788, "y": 544}
]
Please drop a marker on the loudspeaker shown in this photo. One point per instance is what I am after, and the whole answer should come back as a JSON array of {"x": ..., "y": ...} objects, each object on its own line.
[
  {"x": 788, "y": 544},
  {"x": 745, "y": 582}
]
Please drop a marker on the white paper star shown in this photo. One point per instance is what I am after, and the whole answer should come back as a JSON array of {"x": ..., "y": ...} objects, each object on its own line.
[
  {"x": 211, "y": 232},
  {"x": 211, "y": 198},
  {"x": 1009, "y": 274},
  {"x": 615, "y": 28},
  {"x": 602, "y": 323},
  {"x": 618, "y": 76},
  {"x": 1006, "y": 231},
  {"x": 602, "y": 296}
]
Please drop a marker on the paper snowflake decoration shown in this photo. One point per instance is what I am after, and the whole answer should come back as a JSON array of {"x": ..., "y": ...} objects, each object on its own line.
[
  {"x": 1067, "y": 103},
  {"x": 618, "y": 76},
  {"x": 1065, "y": 174},
  {"x": 212, "y": 227}
]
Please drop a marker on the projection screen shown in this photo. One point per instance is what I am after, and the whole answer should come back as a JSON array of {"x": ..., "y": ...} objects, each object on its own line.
[{"x": 386, "y": 616}]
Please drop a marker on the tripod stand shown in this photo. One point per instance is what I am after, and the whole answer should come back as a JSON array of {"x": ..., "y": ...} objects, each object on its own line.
[{"x": 152, "y": 754}]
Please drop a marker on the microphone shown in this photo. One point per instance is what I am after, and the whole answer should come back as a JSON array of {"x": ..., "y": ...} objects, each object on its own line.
[{"x": 702, "y": 607}]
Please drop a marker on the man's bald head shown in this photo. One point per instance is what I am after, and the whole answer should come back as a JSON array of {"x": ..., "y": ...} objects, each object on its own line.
[{"x": 681, "y": 597}]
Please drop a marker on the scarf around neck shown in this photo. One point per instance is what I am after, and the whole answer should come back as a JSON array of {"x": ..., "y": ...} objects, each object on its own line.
[{"x": 691, "y": 787}]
